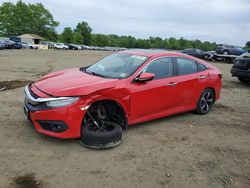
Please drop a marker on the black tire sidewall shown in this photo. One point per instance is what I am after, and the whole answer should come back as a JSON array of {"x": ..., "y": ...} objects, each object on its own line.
[
  {"x": 99, "y": 138},
  {"x": 198, "y": 108}
]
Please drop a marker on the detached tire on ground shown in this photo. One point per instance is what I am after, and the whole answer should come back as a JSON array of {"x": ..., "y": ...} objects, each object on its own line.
[{"x": 101, "y": 139}]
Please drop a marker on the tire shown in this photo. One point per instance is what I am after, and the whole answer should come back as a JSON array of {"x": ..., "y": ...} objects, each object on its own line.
[
  {"x": 206, "y": 57},
  {"x": 225, "y": 52},
  {"x": 205, "y": 102},
  {"x": 101, "y": 139},
  {"x": 31, "y": 47},
  {"x": 243, "y": 80}
]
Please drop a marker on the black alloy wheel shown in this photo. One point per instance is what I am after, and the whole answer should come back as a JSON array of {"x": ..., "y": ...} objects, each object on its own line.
[{"x": 205, "y": 102}]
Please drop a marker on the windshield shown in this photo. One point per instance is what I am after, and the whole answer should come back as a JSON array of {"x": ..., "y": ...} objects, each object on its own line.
[{"x": 118, "y": 65}]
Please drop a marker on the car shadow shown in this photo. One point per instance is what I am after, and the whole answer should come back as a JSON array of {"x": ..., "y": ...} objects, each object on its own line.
[{"x": 159, "y": 121}]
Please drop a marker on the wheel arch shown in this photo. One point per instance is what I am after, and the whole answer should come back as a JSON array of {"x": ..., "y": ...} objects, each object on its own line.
[{"x": 113, "y": 105}]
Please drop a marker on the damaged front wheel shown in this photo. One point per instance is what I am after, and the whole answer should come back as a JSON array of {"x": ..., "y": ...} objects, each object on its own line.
[
  {"x": 99, "y": 131},
  {"x": 109, "y": 137}
]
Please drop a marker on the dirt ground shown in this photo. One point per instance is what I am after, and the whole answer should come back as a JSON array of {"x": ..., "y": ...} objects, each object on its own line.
[{"x": 185, "y": 150}]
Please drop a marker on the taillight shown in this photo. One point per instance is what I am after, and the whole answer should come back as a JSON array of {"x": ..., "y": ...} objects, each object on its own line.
[{"x": 220, "y": 75}]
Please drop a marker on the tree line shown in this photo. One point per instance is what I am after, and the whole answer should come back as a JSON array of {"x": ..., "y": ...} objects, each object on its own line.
[{"x": 17, "y": 19}]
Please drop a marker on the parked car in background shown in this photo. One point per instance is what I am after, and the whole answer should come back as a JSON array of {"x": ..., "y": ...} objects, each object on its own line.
[
  {"x": 197, "y": 53},
  {"x": 214, "y": 56},
  {"x": 26, "y": 45},
  {"x": 248, "y": 46},
  {"x": 85, "y": 47},
  {"x": 60, "y": 46},
  {"x": 74, "y": 46},
  {"x": 18, "y": 45},
  {"x": 49, "y": 44},
  {"x": 2, "y": 45},
  {"x": 241, "y": 68},
  {"x": 230, "y": 50},
  {"x": 10, "y": 44},
  {"x": 94, "y": 48}
]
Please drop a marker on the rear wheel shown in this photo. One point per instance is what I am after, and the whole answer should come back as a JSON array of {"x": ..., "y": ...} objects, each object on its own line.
[
  {"x": 205, "y": 102},
  {"x": 225, "y": 52}
]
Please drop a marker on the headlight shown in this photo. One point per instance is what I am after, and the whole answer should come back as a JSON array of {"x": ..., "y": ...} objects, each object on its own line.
[{"x": 61, "y": 102}]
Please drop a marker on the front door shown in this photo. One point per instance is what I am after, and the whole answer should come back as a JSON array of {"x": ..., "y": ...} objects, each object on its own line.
[{"x": 155, "y": 96}]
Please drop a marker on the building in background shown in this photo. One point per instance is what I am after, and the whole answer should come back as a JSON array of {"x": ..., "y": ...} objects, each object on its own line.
[{"x": 31, "y": 38}]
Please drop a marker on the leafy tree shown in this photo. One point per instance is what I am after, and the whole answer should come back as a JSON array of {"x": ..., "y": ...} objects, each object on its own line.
[
  {"x": 156, "y": 42},
  {"x": 20, "y": 18},
  {"x": 174, "y": 44},
  {"x": 100, "y": 40},
  {"x": 142, "y": 43},
  {"x": 85, "y": 30},
  {"x": 67, "y": 35},
  {"x": 184, "y": 44},
  {"x": 113, "y": 40},
  {"x": 77, "y": 38}
]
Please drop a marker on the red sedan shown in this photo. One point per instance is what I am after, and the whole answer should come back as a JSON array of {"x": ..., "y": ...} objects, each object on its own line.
[{"x": 126, "y": 88}]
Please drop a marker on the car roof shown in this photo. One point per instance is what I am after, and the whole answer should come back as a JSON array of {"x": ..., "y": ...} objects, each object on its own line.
[
  {"x": 152, "y": 52},
  {"x": 155, "y": 53}
]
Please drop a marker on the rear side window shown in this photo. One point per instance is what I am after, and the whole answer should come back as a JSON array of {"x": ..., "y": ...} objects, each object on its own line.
[
  {"x": 201, "y": 67},
  {"x": 162, "y": 68},
  {"x": 186, "y": 66}
]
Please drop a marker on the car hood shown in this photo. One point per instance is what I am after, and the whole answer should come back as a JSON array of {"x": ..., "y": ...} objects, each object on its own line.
[{"x": 73, "y": 82}]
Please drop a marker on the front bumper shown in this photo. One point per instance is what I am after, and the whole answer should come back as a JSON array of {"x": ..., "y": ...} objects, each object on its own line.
[{"x": 69, "y": 118}]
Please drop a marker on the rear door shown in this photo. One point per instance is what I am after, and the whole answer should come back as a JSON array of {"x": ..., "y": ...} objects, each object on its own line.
[{"x": 192, "y": 78}]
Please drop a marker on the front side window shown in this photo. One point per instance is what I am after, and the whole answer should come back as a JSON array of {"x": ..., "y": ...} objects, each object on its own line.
[
  {"x": 186, "y": 66},
  {"x": 118, "y": 65},
  {"x": 162, "y": 68}
]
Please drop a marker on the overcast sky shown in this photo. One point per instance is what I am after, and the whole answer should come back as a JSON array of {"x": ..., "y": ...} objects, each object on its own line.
[{"x": 221, "y": 21}]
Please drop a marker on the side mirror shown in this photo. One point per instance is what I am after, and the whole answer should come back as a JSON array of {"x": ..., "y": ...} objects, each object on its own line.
[{"x": 146, "y": 76}]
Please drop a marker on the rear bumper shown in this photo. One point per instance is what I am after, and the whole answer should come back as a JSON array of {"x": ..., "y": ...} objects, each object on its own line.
[{"x": 240, "y": 73}]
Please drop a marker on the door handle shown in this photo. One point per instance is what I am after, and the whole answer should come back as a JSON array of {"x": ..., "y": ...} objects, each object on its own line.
[
  {"x": 202, "y": 76},
  {"x": 171, "y": 84}
]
